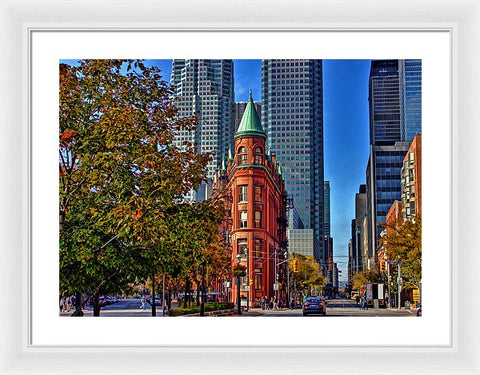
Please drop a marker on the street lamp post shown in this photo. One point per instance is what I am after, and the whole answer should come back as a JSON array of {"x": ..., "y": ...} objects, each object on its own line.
[
  {"x": 239, "y": 307},
  {"x": 247, "y": 278},
  {"x": 276, "y": 275}
]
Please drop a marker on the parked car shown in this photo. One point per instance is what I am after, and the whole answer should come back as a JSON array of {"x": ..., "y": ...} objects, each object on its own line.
[{"x": 314, "y": 305}]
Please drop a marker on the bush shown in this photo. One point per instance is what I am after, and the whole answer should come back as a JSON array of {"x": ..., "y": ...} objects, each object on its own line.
[
  {"x": 182, "y": 311},
  {"x": 209, "y": 306}
]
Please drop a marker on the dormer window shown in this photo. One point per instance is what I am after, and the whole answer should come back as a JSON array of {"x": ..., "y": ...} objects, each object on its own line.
[
  {"x": 242, "y": 156},
  {"x": 258, "y": 156}
]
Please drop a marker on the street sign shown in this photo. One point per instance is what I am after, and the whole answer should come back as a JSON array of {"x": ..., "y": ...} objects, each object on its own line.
[{"x": 416, "y": 295}]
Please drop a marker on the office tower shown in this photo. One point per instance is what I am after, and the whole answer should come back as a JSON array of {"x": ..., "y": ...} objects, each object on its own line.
[
  {"x": 205, "y": 88},
  {"x": 292, "y": 114},
  {"x": 384, "y": 101},
  {"x": 240, "y": 108},
  {"x": 326, "y": 209},
  {"x": 357, "y": 228},
  {"x": 383, "y": 188},
  {"x": 395, "y": 118},
  {"x": 410, "y": 72}
]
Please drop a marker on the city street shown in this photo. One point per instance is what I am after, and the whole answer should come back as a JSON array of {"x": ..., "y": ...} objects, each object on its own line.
[
  {"x": 335, "y": 307},
  {"x": 340, "y": 307}
]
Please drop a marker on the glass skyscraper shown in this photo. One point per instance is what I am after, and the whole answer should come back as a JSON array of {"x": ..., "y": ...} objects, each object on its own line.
[
  {"x": 384, "y": 100},
  {"x": 395, "y": 118},
  {"x": 205, "y": 88},
  {"x": 411, "y": 96},
  {"x": 292, "y": 114}
]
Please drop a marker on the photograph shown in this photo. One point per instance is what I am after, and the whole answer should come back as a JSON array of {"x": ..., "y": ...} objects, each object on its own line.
[{"x": 240, "y": 188}]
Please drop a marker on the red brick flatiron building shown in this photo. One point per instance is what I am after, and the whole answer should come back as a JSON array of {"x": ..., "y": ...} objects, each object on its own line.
[{"x": 255, "y": 199}]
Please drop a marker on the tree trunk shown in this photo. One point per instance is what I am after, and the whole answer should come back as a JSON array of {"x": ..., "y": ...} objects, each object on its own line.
[
  {"x": 186, "y": 296},
  {"x": 197, "y": 297},
  {"x": 154, "y": 306},
  {"x": 78, "y": 305},
  {"x": 96, "y": 304},
  {"x": 62, "y": 220}
]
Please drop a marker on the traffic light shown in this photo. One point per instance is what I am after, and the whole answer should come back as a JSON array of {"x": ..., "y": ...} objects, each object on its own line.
[{"x": 295, "y": 265}]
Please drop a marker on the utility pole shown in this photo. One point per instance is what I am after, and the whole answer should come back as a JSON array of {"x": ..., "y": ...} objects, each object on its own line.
[
  {"x": 163, "y": 295},
  {"x": 399, "y": 280}
]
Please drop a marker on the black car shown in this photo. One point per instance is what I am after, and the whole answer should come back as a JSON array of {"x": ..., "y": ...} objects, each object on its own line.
[{"x": 314, "y": 305}]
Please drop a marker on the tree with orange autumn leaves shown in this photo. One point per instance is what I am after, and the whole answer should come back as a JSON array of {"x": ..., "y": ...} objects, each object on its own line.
[{"x": 122, "y": 180}]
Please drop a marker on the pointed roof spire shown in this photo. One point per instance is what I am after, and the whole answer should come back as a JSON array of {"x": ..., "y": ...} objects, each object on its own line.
[
  {"x": 223, "y": 165},
  {"x": 230, "y": 156},
  {"x": 250, "y": 124}
]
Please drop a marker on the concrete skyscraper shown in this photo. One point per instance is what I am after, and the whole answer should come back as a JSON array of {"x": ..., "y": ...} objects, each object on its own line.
[
  {"x": 292, "y": 113},
  {"x": 205, "y": 88}
]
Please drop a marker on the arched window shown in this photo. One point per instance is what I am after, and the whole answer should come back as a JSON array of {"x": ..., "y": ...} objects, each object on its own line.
[
  {"x": 258, "y": 155},
  {"x": 242, "y": 156}
]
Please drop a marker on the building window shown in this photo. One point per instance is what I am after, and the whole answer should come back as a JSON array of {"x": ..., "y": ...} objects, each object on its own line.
[
  {"x": 258, "y": 156},
  {"x": 242, "y": 156},
  {"x": 258, "y": 219},
  {"x": 258, "y": 249},
  {"x": 258, "y": 281},
  {"x": 258, "y": 193},
  {"x": 242, "y": 248},
  {"x": 243, "y": 219},
  {"x": 242, "y": 193}
]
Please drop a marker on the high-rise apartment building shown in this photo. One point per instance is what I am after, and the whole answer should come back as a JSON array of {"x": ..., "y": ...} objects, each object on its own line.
[
  {"x": 292, "y": 114},
  {"x": 412, "y": 180},
  {"x": 205, "y": 88}
]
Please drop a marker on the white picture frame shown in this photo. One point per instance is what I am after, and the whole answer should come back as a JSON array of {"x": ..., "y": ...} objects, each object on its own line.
[{"x": 20, "y": 19}]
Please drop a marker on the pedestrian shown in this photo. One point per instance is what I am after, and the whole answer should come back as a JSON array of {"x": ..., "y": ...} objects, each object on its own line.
[
  {"x": 262, "y": 303},
  {"x": 275, "y": 303},
  {"x": 364, "y": 303},
  {"x": 142, "y": 306},
  {"x": 292, "y": 304},
  {"x": 280, "y": 303},
  {"x": 267, "y": 303}
]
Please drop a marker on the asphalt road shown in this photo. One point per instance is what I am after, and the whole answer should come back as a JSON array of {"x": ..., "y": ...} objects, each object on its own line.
[
  {"x": 341, "y": 307},
  {"x": 335, "y": 307}
]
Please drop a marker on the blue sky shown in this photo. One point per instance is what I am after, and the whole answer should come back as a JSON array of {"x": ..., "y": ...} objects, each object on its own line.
[{"x": 346, "y": 138}]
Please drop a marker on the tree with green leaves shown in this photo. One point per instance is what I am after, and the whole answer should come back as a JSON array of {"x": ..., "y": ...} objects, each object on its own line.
[
  {"x": 120, "y": 174},
  {"x": 403, "y": 243},
  {"x": 308, "y": 276}
]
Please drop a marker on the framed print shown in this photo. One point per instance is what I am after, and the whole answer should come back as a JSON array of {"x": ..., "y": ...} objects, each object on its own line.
[{"x": 38, "y": 37}]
